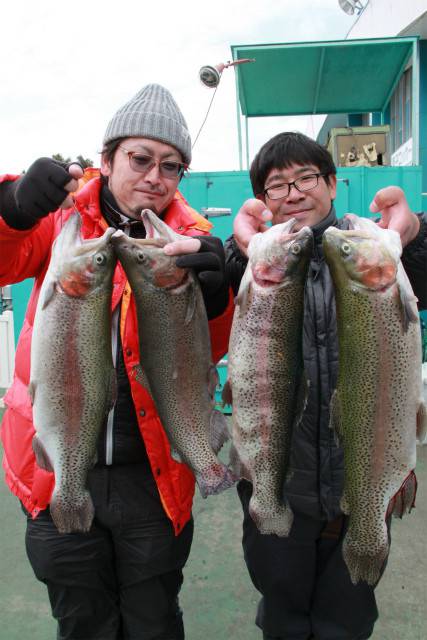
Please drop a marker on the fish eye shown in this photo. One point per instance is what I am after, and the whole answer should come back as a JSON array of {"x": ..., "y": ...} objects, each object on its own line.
[
  {"x": 100, "y": 258},
  {"x": 296, "y": 249},
  {"x": 140, "y": 256},
  {"x": 345, "y": 248}
]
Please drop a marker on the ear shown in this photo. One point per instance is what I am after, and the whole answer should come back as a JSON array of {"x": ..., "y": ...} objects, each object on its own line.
[
  {"x": 105, "y": 165},
  {"x": 260, "y": 196},
  {"x": 332, "y": 186}
]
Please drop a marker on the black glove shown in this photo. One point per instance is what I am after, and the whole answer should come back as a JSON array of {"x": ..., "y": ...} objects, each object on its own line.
[
  {"x": 36, "y": 194},
  {"x": 209, "y": 267}
]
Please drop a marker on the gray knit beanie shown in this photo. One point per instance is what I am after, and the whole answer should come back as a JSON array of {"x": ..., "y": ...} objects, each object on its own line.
[{"x": 152, "y": 113}]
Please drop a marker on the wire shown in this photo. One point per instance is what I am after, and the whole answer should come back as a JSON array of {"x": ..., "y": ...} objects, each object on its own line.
[
  {"x": 206, "y": 117},
  {"x": 356, "y": 21}
]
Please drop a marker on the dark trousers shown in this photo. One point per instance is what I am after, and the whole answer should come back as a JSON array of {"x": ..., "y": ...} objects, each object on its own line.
[
  {"x": 121, "y": 579},
  {"x": 305, "y": 586}
]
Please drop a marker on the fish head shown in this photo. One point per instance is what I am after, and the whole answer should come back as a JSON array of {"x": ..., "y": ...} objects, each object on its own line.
[
  {"x": 81, "y": 267},
  {"x": 279, "y": 255},
  {"x": 155, "y": 228},
  {"x": 360, "y": 257},
  {"x": 145, "y": 260}
]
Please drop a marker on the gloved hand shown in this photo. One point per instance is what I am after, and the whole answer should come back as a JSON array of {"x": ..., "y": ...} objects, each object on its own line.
[
  {"x": 209, "y": 267},
  {"x": 41, "y": 190}
]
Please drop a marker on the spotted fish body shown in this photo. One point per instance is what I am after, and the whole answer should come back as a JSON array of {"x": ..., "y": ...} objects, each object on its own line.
[
  {"x": 377, "y": 408},
  {"x": 72, "y": 375},
  {"x": 265, "y": 368},
  {"x": 175, "y": 352}
]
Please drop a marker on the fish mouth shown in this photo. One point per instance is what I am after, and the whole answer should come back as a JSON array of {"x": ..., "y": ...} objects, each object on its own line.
[
  {"x": 155, "y": 228},
  {"x": 95, "y": 244}
]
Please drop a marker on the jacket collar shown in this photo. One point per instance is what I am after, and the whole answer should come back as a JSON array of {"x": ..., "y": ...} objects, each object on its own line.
[
  {"x": 178, "y": 215},
  {"x": 319, "y": 228}
]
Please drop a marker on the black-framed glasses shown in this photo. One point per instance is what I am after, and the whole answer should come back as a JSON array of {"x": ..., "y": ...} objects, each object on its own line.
[
  {"x": 305, "y": 183},
  {"x": 143, "y": 163}
]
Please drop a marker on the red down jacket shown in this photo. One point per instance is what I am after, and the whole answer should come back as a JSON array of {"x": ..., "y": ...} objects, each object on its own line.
[{"x": 26, "y": 254}]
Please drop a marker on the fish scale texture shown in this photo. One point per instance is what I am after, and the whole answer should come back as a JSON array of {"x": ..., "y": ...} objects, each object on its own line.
[
  {"x": 72, "y": 372},
  {"x": 374, "y": 409},
  {"x": 265, "y": 371}
]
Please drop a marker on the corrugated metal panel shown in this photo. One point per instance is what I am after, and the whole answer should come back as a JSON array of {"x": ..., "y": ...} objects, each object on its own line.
[{"x": 345, "y": 76}]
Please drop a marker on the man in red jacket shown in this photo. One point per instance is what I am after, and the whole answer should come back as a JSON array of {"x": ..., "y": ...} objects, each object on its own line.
[{"x": 122, "y": 579}]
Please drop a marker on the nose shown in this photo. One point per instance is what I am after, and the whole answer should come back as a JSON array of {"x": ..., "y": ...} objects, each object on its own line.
[
  {"x": 294, "y": 194},
  {"x": 153, "y": 174}
]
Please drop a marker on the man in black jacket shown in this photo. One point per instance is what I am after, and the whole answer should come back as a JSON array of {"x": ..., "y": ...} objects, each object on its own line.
[{"x": 305, "y": 586}]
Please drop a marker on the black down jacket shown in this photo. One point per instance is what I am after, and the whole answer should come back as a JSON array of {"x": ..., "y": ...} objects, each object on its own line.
[{"x": 316, "y": 463}]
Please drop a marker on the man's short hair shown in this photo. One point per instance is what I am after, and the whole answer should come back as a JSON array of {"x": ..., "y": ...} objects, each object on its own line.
[{"x": 284, "y": 150}]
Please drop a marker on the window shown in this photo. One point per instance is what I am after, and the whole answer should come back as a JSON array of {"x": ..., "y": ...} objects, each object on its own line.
[{"x": 401, "y": 111}]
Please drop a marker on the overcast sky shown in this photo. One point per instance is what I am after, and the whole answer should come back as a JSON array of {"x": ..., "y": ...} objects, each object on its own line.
[{"x": 68, "y": 66}]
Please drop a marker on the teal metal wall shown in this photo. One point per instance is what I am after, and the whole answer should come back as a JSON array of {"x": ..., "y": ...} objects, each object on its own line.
[
  {"x": 229, "y": 189},
  {"x": 20, "y": 296},
  {"x": 423, "y": 118},
  {"x": 356, "y": 189}
]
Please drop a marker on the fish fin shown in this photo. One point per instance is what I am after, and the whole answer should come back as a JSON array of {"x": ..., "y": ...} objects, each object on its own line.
[
  {"x": 408, "y": 300},
  {"x": 218, "y": 431},
  {"x": 191, "y": 304},
  {"x": 48, "y": 293},
  {"x": 215, "y": 479},
  {"x": 227, "y": 395},
  {"x": 422, "y": 423},
  {"x": 363, "y": 566},
  {"x": 32, "y": 391},
  {"x": 404, "y": 500},
  {"x": 239, "y": 468},
  {"x": 213, "y": 381},
  {"x": 175, "y": 454},
  {"x": 70, "y": 517},
  {"x": 243, "y": 298},
  {"x": 42, "y": 457}
]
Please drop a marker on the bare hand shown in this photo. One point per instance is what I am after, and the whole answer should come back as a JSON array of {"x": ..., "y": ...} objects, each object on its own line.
[
  {"x": 250, "y": 219},
  {"x": 391, "y": 203},
  {"x": 180, "y": 247},
  {"x": 76, "y": 172}
]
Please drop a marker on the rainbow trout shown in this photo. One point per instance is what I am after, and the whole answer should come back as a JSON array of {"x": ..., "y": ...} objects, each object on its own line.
[
  {"x": 265, "y": 368},
  {"x": 72, "y": 380},
  {"x": 175, "y": 352},
  {"x": 377, "y": 408}
]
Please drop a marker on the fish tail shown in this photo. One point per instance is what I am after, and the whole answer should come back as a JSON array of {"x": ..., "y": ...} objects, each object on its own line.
[
  {"x": 277, "y": 521},
  {"x": 362, "y": 565},
  {"x": 72, "y": 516},
  {"x": 215, "y": 479}
]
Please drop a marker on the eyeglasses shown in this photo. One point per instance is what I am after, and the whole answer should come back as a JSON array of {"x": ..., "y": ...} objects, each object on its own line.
[
  {"x": 305, "y": 183},
  {"x": 142, "y": 163}
]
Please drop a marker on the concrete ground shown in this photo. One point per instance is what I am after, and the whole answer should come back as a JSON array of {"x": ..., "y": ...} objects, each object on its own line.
[{"x": 218, "y": 599}]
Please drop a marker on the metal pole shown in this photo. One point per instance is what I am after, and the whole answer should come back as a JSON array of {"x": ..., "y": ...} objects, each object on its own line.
[
  {"x": 415, "y": 103},
  {"x": 247, "y": 142},
  {"x": 239, "y": 126}
]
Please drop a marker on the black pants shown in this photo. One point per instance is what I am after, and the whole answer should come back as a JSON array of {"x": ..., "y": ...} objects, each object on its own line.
[
  {"x": 305, "y": 586},
  {"x": 121, "y": 580}
]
